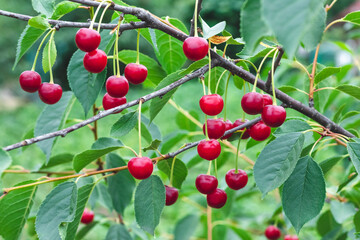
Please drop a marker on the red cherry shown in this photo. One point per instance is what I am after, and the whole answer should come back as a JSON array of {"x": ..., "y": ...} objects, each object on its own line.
[
  {"x": 206, "y": 183},
  {"x": 87, "y": 40},
  {"x": 291, "y": 237},
  {"x": 50, "y": 93},
  {"x": 135, "y": 73},
  {"x": 267, "y": 100},
  {"x": 195, "y": 48},
  {"x": 110, "y": 102},
  {"x": 211, "y": 104},
  {"x": 252, "y": 103},
  {"x": 209, "y": 150},
  {"x": 172, "y": 195},
  {"x": 95, "y": 61},
  {"x": 87, "y": 217},
  {"x": 239, "y": 122},
  {"x": 117, "y": 87},
  {"x": 215, "y": 127},
  {"x": 228, "y": 125},
  {"x": 273, "y": 116},
  {"x": 272, "y": 233},
  {"x": 236, "y": 181},
  {"x": 30, "y": 81},
  {"x": 140, "y": 167},
  {"x": 217, "y": 198},
  {"x": 260, "y": 131}
]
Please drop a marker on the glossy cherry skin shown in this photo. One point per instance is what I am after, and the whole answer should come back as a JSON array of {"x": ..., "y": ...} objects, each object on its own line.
[
  {"x": 236, "y": 181},
  {"x": 215, "y": 127},
  {"x": 87, "y": 40},
  {"x": 252, "y": 103},
  {"x": 272, "y": 233},
  {"x": 273, "y": 116},
  {"x": 95, "y": 61},
  {"x": 206, "y": 183},
  {"x": 228, "y": 125},
  {"x": 211, "y": 104},
  {"x": 195, "y": 48},
  {"x": 239, "y": 122},
  {"x": 30, "y": 81},
  {"x": 217, "y": 198},
  {"x": 135, "y": 73},
  {"x": 110, "y": 102},
  {"x": 117, "y": 87},
  {"x": 267, "y": 100},
  {"x": 260, "y": 131},
  {"x": 140, "y": 167},
  {"x": 87, "y": 217},
  {"x": 50, "y": 93},
  {"x": 291, "y": 237},
  {"x": 209, "y": 150},
  {"x": 172, "y": 195}
]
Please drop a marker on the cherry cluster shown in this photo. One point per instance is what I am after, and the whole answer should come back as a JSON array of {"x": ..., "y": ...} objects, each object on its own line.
[{"x": 274, "y": 233}]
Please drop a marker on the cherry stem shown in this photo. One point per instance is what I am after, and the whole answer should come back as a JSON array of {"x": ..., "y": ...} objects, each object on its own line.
[
  {"x": 127, "y": 147},
  {"x": 195, "y": 18},
  {"x": 215, "y": 167},
  {"x": 102, "y": 16},
  {"x": 313, "y": 147},
  {"x": 226, "y": 45},
  {"x": 226, "y": 92},
  {"x": 209, "y": 168},
  {"x": 96, "y": 13},
  {"x": 209, "y": 80},
  {"x": 206, "y": 128},
  {"x": 38, "y": 50},
  {"x": 172, "y": 171},
  {"x": 138, "y": 47},
  {"x": 219, "y": 80},
  {"x": 243, "y": 114},
  {"x": 114, "y": 61},
  {"x": 209, "y": 224},
  {"x": 117, "y": 45},
  {"x": 139, "y": 126},
  {"x": 259, "y": 69},
  {"x": 203, "y": 84},
  {"x": 49, "y": 56},
  {"x": 238, "y": 152},
  {"x": 272, "y": 77}
]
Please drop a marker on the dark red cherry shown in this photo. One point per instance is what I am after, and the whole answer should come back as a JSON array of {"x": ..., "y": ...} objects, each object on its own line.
[
  {"x": 87, "y": 217},
  {"x": 252, "y": 103},
  {"x": 291, "y": 237},
  {"x": 95, "y": 61},
  {"x": 211, "y": 104},
  {"x": 228, "y": 126},
  {"x": 259, "y": 131},
  {"x": 272, "y": 233},
  {"x": 206, "y": 183},
  {"x": 215, "y": 127},
  {"x": 195, "y": 48},
  {"x": 117, "y": 87},
  {"x": 135, "y": 73},
  {"x": 239, "y": 122},
  {"x": 50, "y": 93},
  {"x": 217, "y": 198},
  {"x": 237, "y": 180},
  {"x": 87, "y": 40},
  {"x": 209, "y": 150},
  {"x": 267, "y": 100},
  {"x": 172, "y": 195},
  {"x": 30, "y": 81},
  {"x": 273, "y": 116},
  {"x": 110, "y": 102},
  {"x": 140, "y": 167}
]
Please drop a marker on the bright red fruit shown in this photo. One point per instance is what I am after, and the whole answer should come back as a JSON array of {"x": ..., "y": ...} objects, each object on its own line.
[
  {"x": 117, "y": 87},
  {"x": 267, "y": 100},
  {"x": 252, "y": 103},
  {"x": 211, "y": 104},
  {"x": 195, "y": 48},
  {"x": 95, "y": 61},
  {"x": 260, "y": 131},
  {"x": 140, "y": 167},
  {"x": 135, "y": 73},
  {"x": 30, "y": 81},
  {"x": 215, "y": 127},
  {"x": 87, "y": 40},
  {"x": 217, "y": 198},
  {"x": 239, "y": 122},
  {"x": 272, "y": 233},
  {"x": 273, "y": 116},
  {"x": 172, "y": 195},
  {"x": 228, "y": 125},
  {"x": 87, "y": 217},
  {"x": 236, "y": 181},
  {"x": 291, "y": 237},
  {"x": 110, "y": 102},
  {"x": 209, "y": 150},
  {"x": 50, "y": 93},
  {"x": 206, "y": 183}
]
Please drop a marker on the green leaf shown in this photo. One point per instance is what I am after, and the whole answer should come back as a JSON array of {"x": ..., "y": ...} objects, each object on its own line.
[
  {"x": 118, "y": 232},
  {"x": 277, "y": 161},
  {"x": 232, "y": 40},
  {"x": 5, "y": 160},
  {"x": 149, "y": 203},
  {"x": 329, "y": 163},
  {"x": 85, "y": 230},
  {"x": 124, "y": 125},
  {"x": 338, "y": 113},
  {"x": 243, "y": 234},
  {"x": 325, "y": 73},
  {"x": 353, "y": 17},
  {"x": 44, "y": 6},
  {"x": 354, "y": 152},
  {"x": 64, "y": 8},
  {"x": 326, "y": 223},
  {"x": 291, "y": 126},
  {"x": 39, "y": 22},
  {"x": 53, "y": 53},
  {"x": 51, "y": 119},
  {"x": 101, "y": 147},
  {"x": 212, "y": 31},
  {"x": 180, "y": 171},
  {"x": 216, "y": 74},
  {"x": 357, "y": 221},
  {"x": 185, "y": 227},
  {"x": 253, "y": 25},
  {"x": 153, "y": 146},
  {"x": 352, "y": 90},
  {"x": 171, "y": 140},
  {"x": 303, "y": 195},
  {"x": 342, "y": 211},
  {"x": 14, "y": 210},
  {"x": 58, "y": 160},
  {"x": 349, "y": 115},
  {"x": 184, "y": 122},
  {"x": 195, "y": 66},
  {"x": 120, "y": 186},
  {"x": 57, "y": 208}
]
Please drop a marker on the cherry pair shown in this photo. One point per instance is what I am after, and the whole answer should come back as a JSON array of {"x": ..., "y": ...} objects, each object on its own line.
[
  {"x": 207, "y": 184},
  {"x": 217, "y": 127},
  {"x": 117, "y": 87}
]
